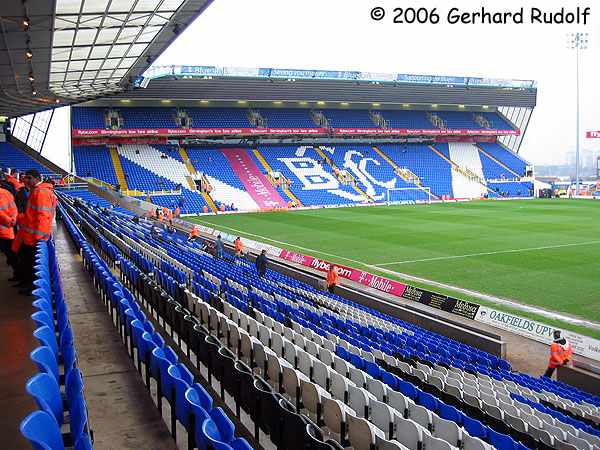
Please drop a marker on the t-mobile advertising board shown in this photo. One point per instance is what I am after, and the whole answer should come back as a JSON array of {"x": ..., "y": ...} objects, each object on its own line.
[{"x": 365, "y": 278}]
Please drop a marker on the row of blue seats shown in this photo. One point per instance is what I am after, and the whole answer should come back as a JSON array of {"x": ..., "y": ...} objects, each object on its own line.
[
  {"x": 190, "y": 403},
  {"x": 55, "y": 393}
]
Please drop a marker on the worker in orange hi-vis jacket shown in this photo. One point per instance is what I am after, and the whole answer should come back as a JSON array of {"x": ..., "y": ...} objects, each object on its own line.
[
  {"x": 239, "y": 246},
  {"x": 561, "y": 352},
  {"x": 193, "y": 234},
  {"x": 8, "y": 220},
  {"x": 34, "y": 225},
  {"x": 332, "y": 278}
]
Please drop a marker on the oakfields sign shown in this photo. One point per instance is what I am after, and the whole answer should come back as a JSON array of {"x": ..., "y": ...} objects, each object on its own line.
[{"x": 582, "y": 345}]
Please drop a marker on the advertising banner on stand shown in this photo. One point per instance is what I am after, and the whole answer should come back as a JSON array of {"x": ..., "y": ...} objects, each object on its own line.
[
  {"x": 582, "y": 345},
  {"x": 365, "y": 278},
  {"x": 442, "y": 302}
]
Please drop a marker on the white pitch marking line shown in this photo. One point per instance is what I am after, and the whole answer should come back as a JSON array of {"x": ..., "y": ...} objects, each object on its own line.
[
  {"x": 319, "y": 252},
  {"x": 517, "y": 250}
]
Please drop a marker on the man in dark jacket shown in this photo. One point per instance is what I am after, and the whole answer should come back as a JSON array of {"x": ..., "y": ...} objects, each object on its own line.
[{"x": 261, "y": 263}]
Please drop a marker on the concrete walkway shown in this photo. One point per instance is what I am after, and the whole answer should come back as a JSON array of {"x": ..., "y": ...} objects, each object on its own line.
[
  {"x": 16, "y": 341},
  {"x": 122, "y": 414}
]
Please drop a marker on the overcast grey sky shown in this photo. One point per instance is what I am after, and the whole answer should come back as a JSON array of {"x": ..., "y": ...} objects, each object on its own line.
[{"x": 339, "y": 34}]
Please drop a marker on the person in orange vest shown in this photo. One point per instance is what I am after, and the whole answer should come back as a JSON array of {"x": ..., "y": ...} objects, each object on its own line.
[
  {"x": 561, "y": 352},
  {"x": 35, "y": 225},
  {"x": 193, "y": 234},
  {"x": 8, "y": 219},
  {"x": 239, "y": 247},
  {"x": 222, "y": 207},
  {"x": 332, "y": 278},
  {"x": 177, "y": 212}
]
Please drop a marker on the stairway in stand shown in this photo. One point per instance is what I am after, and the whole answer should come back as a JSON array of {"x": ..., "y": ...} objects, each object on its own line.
[
  {"x": 466, "y": 181},
  {"x": 263, "y": 162},
  {"x": 256, "y": 184},
  {"x": 116, "y": 160},
  {"x": 352, "y": 182}
]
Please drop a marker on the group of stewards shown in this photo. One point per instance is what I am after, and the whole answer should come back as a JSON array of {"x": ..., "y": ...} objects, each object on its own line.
[
  {"x": 166, "y": 215},
  {"x": 27, "y": 211}
]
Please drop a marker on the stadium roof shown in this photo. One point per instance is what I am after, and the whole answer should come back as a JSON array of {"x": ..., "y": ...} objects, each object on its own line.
[
  {"x": 65, "y": 51},
  {"x": 294, "y": 87}
]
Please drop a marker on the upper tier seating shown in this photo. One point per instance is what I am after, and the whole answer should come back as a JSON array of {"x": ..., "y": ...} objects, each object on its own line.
[
  {"x": 138, "y": 117},
  {"x": 458, "y": 120},
  {"x": 349, "y": 118},
  {"x": 407, "y": 119},
  {"x": 285, "y": 118},
  {"x": 496, "y": 121},
  {"x": 219, "y": 117},
  {"x": 14, "y": 158},
  {"x": 365, "y": 377}
]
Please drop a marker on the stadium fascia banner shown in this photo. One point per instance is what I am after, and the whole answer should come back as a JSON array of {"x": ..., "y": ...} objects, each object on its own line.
[
  {"x": 120, "y": 140},
  {"x": 582, "y": 345},
  {"x": 203, "y": 132},
  {"x": 365, "y": 278},
  {"x": 442, "y": 302},
  {"x": 593, "y": 134}
]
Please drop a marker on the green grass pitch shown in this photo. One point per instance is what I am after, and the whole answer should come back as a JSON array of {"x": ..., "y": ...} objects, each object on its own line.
[{"x": 540, "y": 252}]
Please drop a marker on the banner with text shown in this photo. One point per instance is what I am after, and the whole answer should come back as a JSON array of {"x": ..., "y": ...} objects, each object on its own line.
[
  {"x": 582, "y": 345},
  {"x": 442, "y": 302},
  {"x": 139, "y": 132},
  {"x": 593, "y": 134},
  {"x": 365, "y": 278}
]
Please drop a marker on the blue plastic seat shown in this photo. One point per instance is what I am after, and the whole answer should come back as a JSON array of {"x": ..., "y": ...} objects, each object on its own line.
[
  {"x": 217, "y": 429},
  {"x": 78, "y": 417},
  {"x": 41, "y": 318},
  {"x": 46, "y": 337},
  {"x": 501, "y": 441},
  {"x": 44, "y": 388},
  {"x": 84, "y": 442},
  {"x": 42, "y": 431},
  {"x": 449, "y": 412},
  {"x": 45, "y": 359},
  {"x": 474, "y": 427}
]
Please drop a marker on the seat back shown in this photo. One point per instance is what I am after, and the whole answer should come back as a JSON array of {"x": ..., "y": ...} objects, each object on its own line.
[
  {"x": 42, "y": 431},
  {"x": 44, "y": 388}
]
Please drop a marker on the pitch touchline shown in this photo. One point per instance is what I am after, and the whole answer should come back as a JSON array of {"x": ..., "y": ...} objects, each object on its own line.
[{"x": 517, "y": 250}]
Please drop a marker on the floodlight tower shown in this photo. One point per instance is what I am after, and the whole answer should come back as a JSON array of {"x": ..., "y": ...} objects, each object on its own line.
[{"x": 577, "y": 41}]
